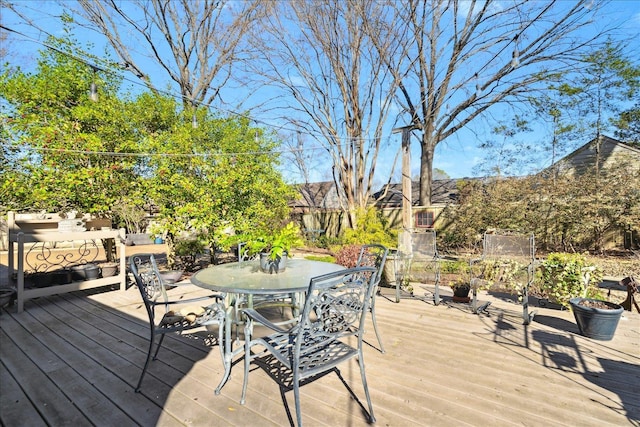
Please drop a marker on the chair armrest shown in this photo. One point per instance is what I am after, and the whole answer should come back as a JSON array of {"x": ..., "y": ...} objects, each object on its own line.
[
  {"x": 257, "y": 317},
  {"x": 217, "y": 297}
]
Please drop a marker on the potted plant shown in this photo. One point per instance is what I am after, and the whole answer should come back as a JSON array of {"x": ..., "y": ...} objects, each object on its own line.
[
  {"x": 273, "y": 247},
  {"x": 570, "y": 280},
  {"x": 567, "y": 275},
  {"x": 451, "y": 269},
  {"x": 109, "y": 269},
  {"x": 461, "y": 288},
  {"x": 596, "y": 319}
]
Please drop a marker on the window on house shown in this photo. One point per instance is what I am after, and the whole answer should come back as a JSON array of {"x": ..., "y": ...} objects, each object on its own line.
[{"x": 424, "y": 219}]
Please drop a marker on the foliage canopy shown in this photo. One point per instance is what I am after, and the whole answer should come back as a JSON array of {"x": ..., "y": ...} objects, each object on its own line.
[{"x": 126, "y": 154}]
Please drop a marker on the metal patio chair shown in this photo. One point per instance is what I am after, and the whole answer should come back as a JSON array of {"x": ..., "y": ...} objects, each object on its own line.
[
  {"x": 242, "y": 253},
  {"x": 333, "y": 316},
  {"x": 374, "y": 255},
  {"x": 417, "y": 259},
  {"x": 505, "y": 246},
  {"x": 173, "y": 316}
]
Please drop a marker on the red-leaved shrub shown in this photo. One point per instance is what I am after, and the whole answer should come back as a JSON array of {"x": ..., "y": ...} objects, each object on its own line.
[{"x": 348, "y": 255}]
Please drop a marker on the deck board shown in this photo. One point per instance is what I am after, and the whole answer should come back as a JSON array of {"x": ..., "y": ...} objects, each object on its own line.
[
  {"x": 15, "y": 407},
  {"x": 47, "y": 397},
  {"x": 73, "y": 359}
]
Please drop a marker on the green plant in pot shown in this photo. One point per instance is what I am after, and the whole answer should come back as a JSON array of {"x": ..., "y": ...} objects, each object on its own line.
[
  {"x": 568, "y": 275},
  {"x": 273, "y": 247},
  {"x": 461, "y": 288},
  {"x": 571, "y": 281}
]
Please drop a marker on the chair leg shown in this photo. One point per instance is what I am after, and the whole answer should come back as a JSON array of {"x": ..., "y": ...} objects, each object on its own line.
[
  {"x": 372, "y": 419},
  {"x": 155, "y": 355},
  {"x": 146, "y": 363},
  {"x": 283, "y": 396},
  {"x": 527, "y": 316},
  {"x": 247, "y": 363},
  {"x": 296, "y": 396},
  {"x": 375, "y": 323}
]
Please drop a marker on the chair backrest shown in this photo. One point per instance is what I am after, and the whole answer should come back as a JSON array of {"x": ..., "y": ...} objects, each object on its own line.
[
  {"x": 243, "y": 253},
  {"x": 418, "y": 244},
  {"x": 148, "y": 279},
  {"x": 508, "y": 244},
  {"x": 335, "y": 307},
  {"x": 373, "y": 255}
]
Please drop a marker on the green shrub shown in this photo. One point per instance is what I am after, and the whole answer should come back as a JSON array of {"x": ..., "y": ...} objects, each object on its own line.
[
  {"x": 187, "y": 252},
  {"x": 508, "y": 274},
  {"x": 371, "y": 227},
  {"x": 324, "y": 242},
  {"x": 565, "y": 276},
  {"x": 454, "y": 267}
]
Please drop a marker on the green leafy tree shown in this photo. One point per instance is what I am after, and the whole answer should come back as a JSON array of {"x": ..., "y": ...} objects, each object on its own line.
[
  {"x": 628, "y": 126},
  {"x": 608, "y": 80},
  {"x": 556, "y": 108},
  {"x": 59, "y": 140},
  {"x": 65, "y": 151},
  {"x": 215, "y": 178},
  {"x": 504, "y": 153}
]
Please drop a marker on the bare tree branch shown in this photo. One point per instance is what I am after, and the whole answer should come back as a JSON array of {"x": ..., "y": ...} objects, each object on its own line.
[
  {"x": 204, "y": 39},
  {"x": 460, "y": 59},
  {"x": 317, "y": 52}
]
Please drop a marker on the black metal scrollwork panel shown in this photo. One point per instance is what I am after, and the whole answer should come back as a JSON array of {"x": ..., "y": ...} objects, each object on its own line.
[{"x": 41, "y": 257}]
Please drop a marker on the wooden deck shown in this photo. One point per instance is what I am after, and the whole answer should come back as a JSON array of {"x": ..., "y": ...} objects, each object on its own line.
[{"x": 72, "y": 360}]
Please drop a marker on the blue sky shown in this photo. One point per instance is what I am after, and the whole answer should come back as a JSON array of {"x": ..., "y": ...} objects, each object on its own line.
[{"x": 458, "y": 156}]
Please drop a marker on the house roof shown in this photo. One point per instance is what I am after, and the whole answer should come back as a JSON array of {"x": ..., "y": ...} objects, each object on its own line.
[
  {"x": 611, "y": 152},
  {"x": 319, "y": 195},
  {"x": 323, "y": 195},
  {"x": 443, "y": 192}
]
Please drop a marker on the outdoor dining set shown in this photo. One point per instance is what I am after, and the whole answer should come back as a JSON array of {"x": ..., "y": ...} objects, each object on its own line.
[{"x": 328, "y": 306}]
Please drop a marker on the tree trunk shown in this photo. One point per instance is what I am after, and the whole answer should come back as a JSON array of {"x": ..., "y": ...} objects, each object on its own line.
[{"x": 427, "y": 146}]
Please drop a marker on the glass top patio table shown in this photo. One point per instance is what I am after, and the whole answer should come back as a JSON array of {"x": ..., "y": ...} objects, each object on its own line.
[{"x": 247, "y": 278}]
